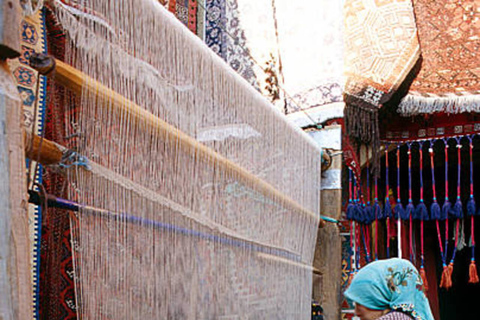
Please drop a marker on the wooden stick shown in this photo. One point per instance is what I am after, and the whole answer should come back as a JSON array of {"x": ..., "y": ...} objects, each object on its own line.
[
  {"x": 44, "y": 151},
  {"x": 78, "y": 82}
]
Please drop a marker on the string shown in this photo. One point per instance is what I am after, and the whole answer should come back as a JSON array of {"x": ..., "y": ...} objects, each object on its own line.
[
  {"x": 458, "y": 207},
  {"x": 432, "y": 166},
  {"x": 387, "y": 202},
  {"x": 399, "y": 203},
  {"x": 365, "y": 243},
  {"x": 459, "y": 148},
  {"x": 368, "y": 180},
  {"x": 421, "y": 205},
  {"x": 399, "y": 208},
  {"x": 470, "y": 139},
  {"x": 472, "y": 211},
  {"x": 446, "y": 205},
  {"x": 410, "y": 207},
  {"x": 353, "y": 264},
  {"x": 357, "y": 245},
  {"x": 420, "y": 149},
  {"x": 367, "y": 231}
]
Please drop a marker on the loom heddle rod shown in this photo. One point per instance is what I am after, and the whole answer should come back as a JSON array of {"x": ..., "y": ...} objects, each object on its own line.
[{"x": 55, "y": 202}]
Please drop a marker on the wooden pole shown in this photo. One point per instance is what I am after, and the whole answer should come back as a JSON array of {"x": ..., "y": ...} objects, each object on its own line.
[
  {"x": 15, "y": 255},
  {"x": 78, "y": 82},
  {"x": 42, "y": 150}
]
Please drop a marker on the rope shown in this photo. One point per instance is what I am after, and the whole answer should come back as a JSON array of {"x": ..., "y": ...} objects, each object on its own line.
[
  {"x": 387, "y": 202},
  {"x": 398, "y": 176},
  {"x": 410, "y": 207},
  {"x": 446, "y": 204},
  {"x": 421, "y": 170},
  {"x": 399, "y": 208},
  {"x": 459, "y": 148},
  {"x": 470, "y": 139},
  {"x": 435, "y": 205}
]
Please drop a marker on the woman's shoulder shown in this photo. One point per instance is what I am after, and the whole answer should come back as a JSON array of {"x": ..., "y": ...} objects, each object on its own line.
[{"x": 395, "y": 315}]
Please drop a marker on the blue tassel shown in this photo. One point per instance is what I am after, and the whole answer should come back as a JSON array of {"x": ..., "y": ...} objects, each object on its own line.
[
  {"x": 409, "y": 211},
  {"x": 350, "y": 210},
  {"x": 436, "y": 211},
  {"x": 369, "y": 215},
  {"x": 457, "y": 211},
  {"x": 445, "y": 210},
  {"x": 387, "y": 212},
  {"x": 471, "y": 207},
  {"x": 359, "y": 213},
  {"x": 398, "y": 210},
  {"x": 415, "y": 214},
  {"x": 421, "y": 212},
  {"x": 376, "y": 208}
]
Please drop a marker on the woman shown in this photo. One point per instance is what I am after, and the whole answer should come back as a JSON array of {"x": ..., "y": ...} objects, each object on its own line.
[{"x": 389, "y": 290}]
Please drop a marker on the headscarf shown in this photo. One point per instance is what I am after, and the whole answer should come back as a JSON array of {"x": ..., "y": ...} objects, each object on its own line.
[{"x": 391, "y": 284}]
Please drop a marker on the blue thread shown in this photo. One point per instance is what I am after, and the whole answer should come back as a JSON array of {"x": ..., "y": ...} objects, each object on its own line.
[{"x": 74, "y": 159}]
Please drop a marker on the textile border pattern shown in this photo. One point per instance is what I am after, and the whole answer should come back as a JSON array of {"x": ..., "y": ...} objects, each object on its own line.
[
  {"x": 449, "y": 80},
  {"x": 433, "y": 132},
  {"x": 189, "y": 13},
  {"x": 32, "y": 39}
]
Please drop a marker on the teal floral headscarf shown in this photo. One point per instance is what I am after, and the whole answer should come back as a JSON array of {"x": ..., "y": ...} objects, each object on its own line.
[{"x": 390, "y": 284}]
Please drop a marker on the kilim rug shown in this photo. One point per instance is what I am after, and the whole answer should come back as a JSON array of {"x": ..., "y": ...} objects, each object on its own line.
[
  {"x": 449, "y": 79},
  {"x": 381, "y": 48},
  {"x": 31, "y": 88},
  {"x": 57, "y": 291}
]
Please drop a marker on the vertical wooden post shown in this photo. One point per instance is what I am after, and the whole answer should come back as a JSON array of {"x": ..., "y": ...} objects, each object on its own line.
[
  {"x": 15, "y": 262},
  {"x": 10, "y": 15},
  {"x": 328, "y": 251}
]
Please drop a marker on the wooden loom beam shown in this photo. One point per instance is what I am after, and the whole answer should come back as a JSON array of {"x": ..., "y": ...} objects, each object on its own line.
[
  {"x": 42, "y": 150},
  {"x": 78, "y": 82}
]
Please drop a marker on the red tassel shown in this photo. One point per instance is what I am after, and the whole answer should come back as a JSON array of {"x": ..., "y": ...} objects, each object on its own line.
[
  {"x": 450, "y": 272},
  {"x": 424, "y": 279},
  {"x": 446, "y": 280},
  {"x": 473, "y": 272}
]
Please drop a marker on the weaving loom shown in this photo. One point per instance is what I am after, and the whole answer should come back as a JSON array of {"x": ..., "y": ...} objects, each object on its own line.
[{"x": 194, "y": 197}]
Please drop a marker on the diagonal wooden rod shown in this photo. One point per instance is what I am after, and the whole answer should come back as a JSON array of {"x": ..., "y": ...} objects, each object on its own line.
[{"x": 79, "y": 82}]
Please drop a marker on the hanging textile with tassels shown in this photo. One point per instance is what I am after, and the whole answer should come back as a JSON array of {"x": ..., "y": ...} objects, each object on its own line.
[
  {"x": 472, "y": 211},
  {"x": 372, "y": 77},
  {"x": 433, "y": 211}
]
